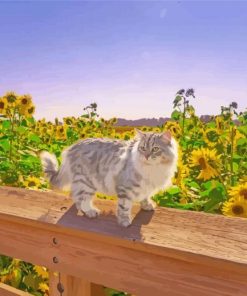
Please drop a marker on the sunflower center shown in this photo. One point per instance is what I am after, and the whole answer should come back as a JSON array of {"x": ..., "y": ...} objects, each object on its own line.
[
  {"x": 30, "y": 111},
  {"x": 202, "y": 163},
  {"x": 237, "y": 210},
  {"x": 243, "y": 193},
  {"x": 31, "y": 183},
  {"x": 1, "y": 105},
  {"x": 24, "y": 101}
]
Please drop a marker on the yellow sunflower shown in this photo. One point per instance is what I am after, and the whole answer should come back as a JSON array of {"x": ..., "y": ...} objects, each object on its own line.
[
  {"x": 61, "y": 132},
  {"x": 235, "y": 208},
  {"x": 30, "y": 111},
  {"x": 11, "y": 97},
  {"x": 24, "y": 103},
  {"x": 41, "y": 271},
  {"x": 43, "y": 287},
  {"x": 32, "y": 182},
  {"x": 239, "y": 192},
  {"x": 69, "y": 120},
  {"x": 3, "y": 106},
  {"x": 174, "y": 128},
  {"x": 211, "y": 137},
  {"x": 207, "y": 161}
]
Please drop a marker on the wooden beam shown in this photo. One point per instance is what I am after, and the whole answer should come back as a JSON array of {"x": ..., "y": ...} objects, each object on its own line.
[
  {"x": 168, "y": 252},
  {"x": 6, "y": 290},
  {"x": 73, "y": 286}
]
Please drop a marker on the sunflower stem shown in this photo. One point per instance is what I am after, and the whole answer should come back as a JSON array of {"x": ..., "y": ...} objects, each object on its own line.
[{"x": 231, "y": 160}]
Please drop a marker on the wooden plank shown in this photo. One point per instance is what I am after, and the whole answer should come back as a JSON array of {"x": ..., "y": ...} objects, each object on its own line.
[
  {"x": 97, "y": 290},
  {"x": 172, "y": 252},
  {"x": 6, "y": 290},
  {"x": 192, "y": 232},
  {"x": 73, "y": 286}
]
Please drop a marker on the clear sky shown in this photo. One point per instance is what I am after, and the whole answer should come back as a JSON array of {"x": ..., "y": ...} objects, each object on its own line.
[{"x": 128, "y": 56}]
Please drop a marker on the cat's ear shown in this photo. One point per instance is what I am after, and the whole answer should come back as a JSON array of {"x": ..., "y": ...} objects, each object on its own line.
[
  {"x": 139, "y": 134},
  {"x": 167, "y": 136}
]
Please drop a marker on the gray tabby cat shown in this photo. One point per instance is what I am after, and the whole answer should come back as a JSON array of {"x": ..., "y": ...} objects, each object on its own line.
[{"x": 133, "y": 170}]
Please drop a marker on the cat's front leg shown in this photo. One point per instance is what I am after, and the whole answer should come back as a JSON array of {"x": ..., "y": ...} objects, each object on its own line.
[
  {"x": 124, "y": 209},
  {"x": 147, "y": 204},
  {"x": 82, "y": 193}
]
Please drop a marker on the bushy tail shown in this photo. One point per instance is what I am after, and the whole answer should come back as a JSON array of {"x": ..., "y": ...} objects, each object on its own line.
[{"x": 58, "y": 177}]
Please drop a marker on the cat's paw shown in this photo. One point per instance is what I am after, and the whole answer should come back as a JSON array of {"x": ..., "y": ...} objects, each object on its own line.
[
  {"x": 92, "y": 213},
  {"x": 148, "y": 206},
  {"x": 124, "y": 222}
]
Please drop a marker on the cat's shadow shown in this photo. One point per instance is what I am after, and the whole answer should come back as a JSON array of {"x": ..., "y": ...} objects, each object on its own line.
[{"x": 106, "y": 223}]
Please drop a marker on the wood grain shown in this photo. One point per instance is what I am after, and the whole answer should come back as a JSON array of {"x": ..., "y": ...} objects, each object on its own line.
[
  {"x": 6, "y": 290},
  {"x": 166, "y": 252},
  {"x": 73, "y": 286}
]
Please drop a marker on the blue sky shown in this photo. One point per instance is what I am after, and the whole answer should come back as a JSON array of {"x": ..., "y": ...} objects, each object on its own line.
[{"x": 128, "y": 56}]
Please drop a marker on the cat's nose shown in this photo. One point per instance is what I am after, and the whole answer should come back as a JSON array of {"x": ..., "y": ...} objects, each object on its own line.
[{"x": 146, "y": 155}]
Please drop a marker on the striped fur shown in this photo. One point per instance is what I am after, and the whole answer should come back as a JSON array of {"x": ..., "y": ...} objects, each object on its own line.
[{"x": 133, "y": 170}]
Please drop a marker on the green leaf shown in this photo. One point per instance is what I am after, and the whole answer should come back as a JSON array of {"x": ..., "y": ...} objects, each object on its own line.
[
  {"x": 16, "y": 280},
  {"x": 31, "y": 281},
  {"x": 243, "y": 129},
  {"x": 176, "y": 115},
  {"x": 34, "y": 138},
  {"x": 21, "y": 129},
  {"x": 6, "y": 124},
  {"x": 176, "y": 101},
  {"x": 5, "y": 145},
  {"x": 207, "y": 185},
  {"x": 241, "y": 142},
  {"x": 193, "y": 184},
  {"x": 235, "y": 167},
  {"x": 216, "y": 196},
  {"x": 174, "y": 190}
]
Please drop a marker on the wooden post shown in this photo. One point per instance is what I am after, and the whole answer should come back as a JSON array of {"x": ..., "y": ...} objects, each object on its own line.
[{"x": 73, "y": 286}]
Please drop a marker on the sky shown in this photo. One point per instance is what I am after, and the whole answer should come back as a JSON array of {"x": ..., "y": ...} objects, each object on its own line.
[{"x": 130, "y": 57}]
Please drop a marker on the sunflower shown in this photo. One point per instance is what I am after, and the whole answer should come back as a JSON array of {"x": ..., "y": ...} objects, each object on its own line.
[
  {"x": 239, "y": 192},
  {"x": 61, "y": 132},
  {"x": 43, "y": 287},
  {"x": 41, "y": 271},
  {"x": 3, "y": 105},
  {"x": 69, "y": 120},
  {"x": 11, "y": 97},
  {"x": 32, "y": 182},
  {"x": 211, "y": 137},
  {"x": 235, "y": 208},
  {"x": 29, "y": 111},
  {"x": 24, "y": 102},
  {"x": 207, "y": 161},
  {"x": 174, "y": 128}
]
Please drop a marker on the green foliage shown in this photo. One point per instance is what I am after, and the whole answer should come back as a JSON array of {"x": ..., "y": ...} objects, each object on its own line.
[{"x": 212, "y": 161}]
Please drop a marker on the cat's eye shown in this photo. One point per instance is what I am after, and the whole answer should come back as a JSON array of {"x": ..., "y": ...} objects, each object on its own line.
[
  {"x": 155, "y": 149},
  {"x": 143, "y": 148}
]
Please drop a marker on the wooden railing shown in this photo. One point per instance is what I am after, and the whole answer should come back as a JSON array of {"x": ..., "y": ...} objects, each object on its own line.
[{"x": 168, "y": 252}]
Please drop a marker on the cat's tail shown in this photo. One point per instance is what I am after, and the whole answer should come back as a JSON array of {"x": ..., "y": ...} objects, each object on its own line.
[{"x": 58, "y": 177}]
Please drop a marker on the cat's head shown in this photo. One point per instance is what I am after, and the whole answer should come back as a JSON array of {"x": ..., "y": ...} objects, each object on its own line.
[{"x": 156, "y": 148}]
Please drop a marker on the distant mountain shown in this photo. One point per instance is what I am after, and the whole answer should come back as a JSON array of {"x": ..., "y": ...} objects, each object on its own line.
[
  {"x": 152, "y": 121},
  {"x": 141, "y": 121}
]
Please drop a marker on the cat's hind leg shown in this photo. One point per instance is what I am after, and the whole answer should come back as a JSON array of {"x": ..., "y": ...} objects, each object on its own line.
[
  {"x": 82, "y": 193},
  {"x": 124, "y": 207}
]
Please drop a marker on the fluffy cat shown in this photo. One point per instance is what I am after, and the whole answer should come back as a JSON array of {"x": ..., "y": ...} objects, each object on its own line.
[{"x": 133, "y": 170}]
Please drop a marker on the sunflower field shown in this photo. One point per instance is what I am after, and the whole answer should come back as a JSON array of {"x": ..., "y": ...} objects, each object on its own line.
[{"x": 211, "y": 175}]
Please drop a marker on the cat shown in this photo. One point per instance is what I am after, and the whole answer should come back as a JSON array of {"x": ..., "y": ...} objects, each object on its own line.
[{"x": 133, "y": 170}]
